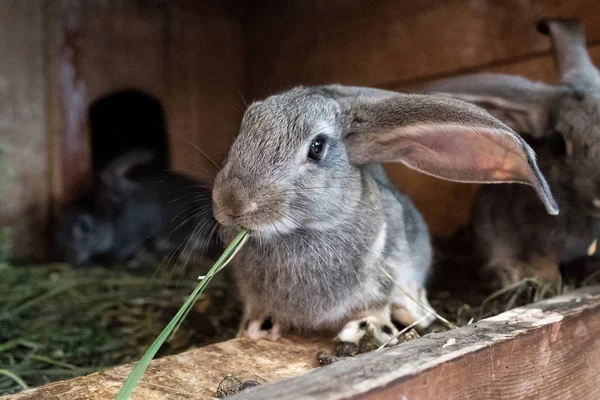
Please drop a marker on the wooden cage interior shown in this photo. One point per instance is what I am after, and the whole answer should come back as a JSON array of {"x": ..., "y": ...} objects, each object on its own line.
[{"x": 176, "y": 74}]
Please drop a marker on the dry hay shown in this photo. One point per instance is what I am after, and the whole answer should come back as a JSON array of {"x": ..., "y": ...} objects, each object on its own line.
[{"x": 57, "y": 322}]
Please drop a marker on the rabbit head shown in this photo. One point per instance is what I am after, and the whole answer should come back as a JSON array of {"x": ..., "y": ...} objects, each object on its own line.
[
  {"x": 295, "y": 143},
  {"x": 81, "y": 236},
  {"x": 561, "y": 121}
]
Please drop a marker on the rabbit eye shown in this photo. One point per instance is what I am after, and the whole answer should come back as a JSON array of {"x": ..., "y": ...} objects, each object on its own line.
[{"x": 316, "y": 149}]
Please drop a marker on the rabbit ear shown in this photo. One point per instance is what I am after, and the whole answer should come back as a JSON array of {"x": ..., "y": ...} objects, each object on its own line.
[
  {"x": 570, "y": 53},
  {"x": 518, "y": 102},
  {"x": 443, "y": 137}
]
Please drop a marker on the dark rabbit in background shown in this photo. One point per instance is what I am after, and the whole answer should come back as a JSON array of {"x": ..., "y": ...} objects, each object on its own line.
[
  {"x": 512, "y": 232},
  {"x": 324, "y": 221},
  {"x": 138, "y": 207}
]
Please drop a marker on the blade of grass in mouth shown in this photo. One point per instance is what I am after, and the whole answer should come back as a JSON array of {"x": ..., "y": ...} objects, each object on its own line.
[{"x": 141, "y": 366}]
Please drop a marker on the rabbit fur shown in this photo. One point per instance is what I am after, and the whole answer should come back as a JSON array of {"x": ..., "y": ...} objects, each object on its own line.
[
  {"x": 322, "y": 231},
  {"x": 138, "y": 207}
]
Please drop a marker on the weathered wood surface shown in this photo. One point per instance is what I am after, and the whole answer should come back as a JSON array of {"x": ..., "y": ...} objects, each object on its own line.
[
  {"x": 204, "y": 102},
  {"x": 543, "y": 351},
  {"x": 549, "y": 350},
  {"x": 195, "y": 374},
  {"x": 24, "y": 188},
  {"x": 387, "y": 42}
]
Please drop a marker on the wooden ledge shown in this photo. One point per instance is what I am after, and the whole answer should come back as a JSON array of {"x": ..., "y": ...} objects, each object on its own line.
[
  {"x": 195, "y": 374},
  {"x": 546, "y": 350}
]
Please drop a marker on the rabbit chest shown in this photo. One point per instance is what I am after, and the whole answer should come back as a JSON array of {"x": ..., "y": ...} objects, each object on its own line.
[{"x": 315, "y": 279}]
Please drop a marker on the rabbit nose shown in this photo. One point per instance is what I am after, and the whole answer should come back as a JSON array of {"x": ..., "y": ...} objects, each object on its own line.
[
  {"x": 242, "y": 208},
  {"x": 233, "y": 199}
]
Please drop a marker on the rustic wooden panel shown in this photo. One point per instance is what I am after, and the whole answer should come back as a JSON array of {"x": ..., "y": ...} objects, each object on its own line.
[
  {"x": 123, "y": 47},
  {"x": 383, "y": 42},
  {"x": 195, "y": 374},
  {"x": 204, "y": 101},
  {"x": 539, "y": 67},
  {"x": 547, "y": 350},
  {"x": 550, "y": 350},
  {"x": 24, "y": 160},
  {"x": 67, "y": 108},
  {"x": 227, "y": 8}
]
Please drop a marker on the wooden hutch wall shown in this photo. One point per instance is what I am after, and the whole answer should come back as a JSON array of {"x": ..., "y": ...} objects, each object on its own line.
[{"x": 200, "y": 57}]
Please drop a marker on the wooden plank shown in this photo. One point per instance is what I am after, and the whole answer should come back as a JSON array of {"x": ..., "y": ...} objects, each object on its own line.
[
  {"x": 383, "y": 42},
  {"x": 24, "y": 188},
  {"x": 195, "y": 374},
  {"x": 205, "y": 82},
  {"x": 67, "y": 108},
  {"x": 539, "y": 67},
  {"x": 123, "y": 48},
  {"x": 543, "y": 351},
  {"x": 550, "y": 350},
  {"x": 215, "y": 8},
  {"x": 96, "y": 47}
]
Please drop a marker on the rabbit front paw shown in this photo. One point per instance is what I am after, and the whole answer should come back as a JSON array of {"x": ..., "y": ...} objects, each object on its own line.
[
  {"x": 261, "y": 328},
  {"x": 366, "y": 334}
]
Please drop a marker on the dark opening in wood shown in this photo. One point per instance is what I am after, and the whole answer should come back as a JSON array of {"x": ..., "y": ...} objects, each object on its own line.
[{"x": 125, "y": 120}]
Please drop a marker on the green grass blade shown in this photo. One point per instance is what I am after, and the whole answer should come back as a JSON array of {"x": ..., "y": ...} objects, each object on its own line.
[
  {"x": 228, "y": 254},
  {"x": 144, "y": 362},
  {"x": 15, "y": 378}
]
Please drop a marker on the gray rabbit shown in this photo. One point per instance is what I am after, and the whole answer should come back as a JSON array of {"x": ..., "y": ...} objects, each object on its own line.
[
  {"x": 138, "y": 207},
  {"x": 513, "y": 235},
  {"x": 303, "y": 176}
]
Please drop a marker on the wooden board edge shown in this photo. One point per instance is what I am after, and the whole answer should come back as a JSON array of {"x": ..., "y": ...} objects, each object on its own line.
[{"x": 398, "y": 372}]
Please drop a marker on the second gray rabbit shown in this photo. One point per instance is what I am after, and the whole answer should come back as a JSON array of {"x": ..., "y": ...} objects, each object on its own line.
[
  {"x": 303, "y": 176},
  {"x": 139, "y": 207},
  {"x": 513, "y": 234}
]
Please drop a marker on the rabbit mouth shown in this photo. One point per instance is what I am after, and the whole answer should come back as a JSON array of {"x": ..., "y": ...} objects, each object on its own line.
[
  {"x": 260, "y": 226},
  {"x": 268, "y": 228}
]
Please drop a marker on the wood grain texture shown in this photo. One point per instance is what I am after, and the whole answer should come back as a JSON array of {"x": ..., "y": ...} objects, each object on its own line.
[
  {"x": 549, "y": 350},
  {"x": 383, "y": 42},
  {"x": 123, "y": 47},
  {"x": 195, "y": 374},
  {"x": 24, "y": 186},
  {"x": 205, "y": 82},
  {"x": 543, "y": 351},
  {"x": 67, "y": 105}
]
